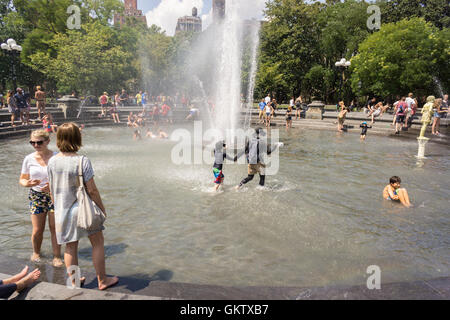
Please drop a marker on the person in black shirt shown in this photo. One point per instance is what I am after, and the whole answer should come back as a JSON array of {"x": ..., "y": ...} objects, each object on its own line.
[
  {"x": 123, "y": 98},
  {"x": 371, "y": 104},
  {"x": 21, "y": 103},
  {"x": 364, "y": 127}
]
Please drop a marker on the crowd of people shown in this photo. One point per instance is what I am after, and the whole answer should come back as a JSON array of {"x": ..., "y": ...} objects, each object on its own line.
[
  {"x": 51, "y": 176},
  {"x": 154, "y": 108},
  {"x": 404, "y": 111},
  {"x": 268, "y": 107}
]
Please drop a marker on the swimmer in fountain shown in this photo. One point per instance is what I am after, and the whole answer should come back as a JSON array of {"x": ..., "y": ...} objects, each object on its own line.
[
  {"x": 193, "y": 113},
  {"x": 149, "y": 134},
  {"x": 137, "y": 135},
  {"x": 220, "y": 155},
  {"x": 163, "y": 135},
  {"x": 393, "y": 192},
  {"x": 255, "y": 149}
]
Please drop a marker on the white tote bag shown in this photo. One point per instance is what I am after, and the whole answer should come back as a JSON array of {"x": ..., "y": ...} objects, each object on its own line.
[{"x": 90, "y": 216}]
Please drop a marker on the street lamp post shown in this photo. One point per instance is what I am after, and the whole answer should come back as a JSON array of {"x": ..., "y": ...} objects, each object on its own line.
[
  {"x": 12, "y": 49},
  {"x": 343, "y": 63}
]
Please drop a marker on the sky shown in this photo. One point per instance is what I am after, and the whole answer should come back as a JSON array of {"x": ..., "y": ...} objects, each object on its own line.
[{"x": 164, "y": 13}]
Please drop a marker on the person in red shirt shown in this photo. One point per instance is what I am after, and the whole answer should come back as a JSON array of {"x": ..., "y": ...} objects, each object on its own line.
[
  {"x": 104, "y": 103},
  {"x": 165, "y": 110}
]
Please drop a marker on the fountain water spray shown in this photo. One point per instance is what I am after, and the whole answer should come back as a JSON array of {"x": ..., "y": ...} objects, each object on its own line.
[{"x": 252, "y": 76}]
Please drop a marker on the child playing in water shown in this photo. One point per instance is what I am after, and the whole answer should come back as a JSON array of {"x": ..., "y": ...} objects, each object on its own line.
[
  {"x": 219, "y": 156},
  {"x": 364, "y": 127},
  {"x": 47, "y": 123},
  {"x": 163, "y": 135},
  {"x": 149, "y": 134},
  {"x": 137, "y": 135},
  {"x": 393, "y": 192}
]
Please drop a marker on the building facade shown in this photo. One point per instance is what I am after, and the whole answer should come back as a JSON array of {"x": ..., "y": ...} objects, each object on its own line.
[
  {"x": 189, "y": 23},
  {"x": 131, "y": 10}
]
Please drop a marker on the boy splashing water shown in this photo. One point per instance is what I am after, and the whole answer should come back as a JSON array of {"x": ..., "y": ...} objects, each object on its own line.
[{"x": 219, "y": 156}]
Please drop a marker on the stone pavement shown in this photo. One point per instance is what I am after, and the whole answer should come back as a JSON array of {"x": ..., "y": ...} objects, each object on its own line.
[{"x": 156, "y": 287}]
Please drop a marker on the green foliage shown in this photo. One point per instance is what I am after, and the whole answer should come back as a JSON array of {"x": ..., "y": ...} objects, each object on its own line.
[
  {"x": 318, "y": 81},
  {"x": 290, "y": 46},
  {"x": 435, "y": 11},
  {"x": 88, "y": 60},
  {"x": 400, "y": 58}
]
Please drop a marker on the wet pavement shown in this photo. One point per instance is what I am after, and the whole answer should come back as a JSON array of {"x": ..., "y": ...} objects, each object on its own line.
[{"x": 155, "y": 288}]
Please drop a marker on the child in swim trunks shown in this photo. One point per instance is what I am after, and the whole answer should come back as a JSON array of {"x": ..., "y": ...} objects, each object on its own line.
[
  {"x": 219, "y": 156},
  {"x": 393, "y": 192},
  {"x": 364, "y": 127}
]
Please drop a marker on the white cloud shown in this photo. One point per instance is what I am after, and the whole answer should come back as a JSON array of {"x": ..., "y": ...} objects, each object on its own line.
[
  {"x": 252, "y": 9},
  {"x": 166, "y": 14}
]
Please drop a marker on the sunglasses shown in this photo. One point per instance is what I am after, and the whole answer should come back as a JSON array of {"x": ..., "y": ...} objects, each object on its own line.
[{"x": 39, "y": 143}]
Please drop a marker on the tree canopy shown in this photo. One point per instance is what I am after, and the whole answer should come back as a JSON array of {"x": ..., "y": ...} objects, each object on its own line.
[{"x": 403, "y": 56}]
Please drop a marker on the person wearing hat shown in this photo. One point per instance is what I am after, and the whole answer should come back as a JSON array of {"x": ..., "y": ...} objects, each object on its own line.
[
  {"x": 39, "y": 95},
  {"x": 364, "y": 127},
  {"x": 104, "y": 103},
  {"x": 255, "y": 150}
]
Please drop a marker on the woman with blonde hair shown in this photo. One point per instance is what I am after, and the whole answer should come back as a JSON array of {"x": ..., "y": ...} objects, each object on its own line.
[
  {"x": 437, "y": 116},
  {"x": 63, "y": 177},
  {"x": 341, "y": 116},
  {"x": 34, "y": 176}
]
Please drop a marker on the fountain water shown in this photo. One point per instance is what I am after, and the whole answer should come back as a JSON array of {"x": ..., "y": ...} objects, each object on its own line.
[
  {"x": 254, "y": 38},
  {"x": 438, "y": 87},
  {"x": 228, "y": 71}
]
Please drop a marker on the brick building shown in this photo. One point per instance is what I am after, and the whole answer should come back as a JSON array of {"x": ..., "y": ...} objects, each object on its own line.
[{"x": 131, "y": 10}]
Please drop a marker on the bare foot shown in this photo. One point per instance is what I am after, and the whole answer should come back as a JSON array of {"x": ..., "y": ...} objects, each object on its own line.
[
  {"x": 110, "y": 281},
  {"x": 35, "y": 258},
  {"x": 57, "y": 262},
  {"x": 17, "y": 277},
  {"x": 28, "y": 279}
]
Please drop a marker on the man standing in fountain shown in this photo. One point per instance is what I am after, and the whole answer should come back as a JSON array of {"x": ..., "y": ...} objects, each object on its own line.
[{"x": 255, "y": 150}]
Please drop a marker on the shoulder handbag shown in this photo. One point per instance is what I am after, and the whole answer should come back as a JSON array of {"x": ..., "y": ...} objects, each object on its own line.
[{"x": 90, "y": 216}]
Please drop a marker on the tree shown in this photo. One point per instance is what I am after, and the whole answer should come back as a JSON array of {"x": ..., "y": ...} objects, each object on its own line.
[
  {"x": 13, "y": 25},
  {"x": 318, "y": 81},
  {"x": 402, "y": 57},
  {"x": 290, "y": 42},
  {"x": 435, "y": 11},
  {"x": 343, "y": 28},
  {"x": 92, "y": 59}
]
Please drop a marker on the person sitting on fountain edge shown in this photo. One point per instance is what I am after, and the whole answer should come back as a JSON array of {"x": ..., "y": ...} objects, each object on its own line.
[
  {"x": 255, "y": 150},
  {"x": 219, "y": 156},
  {"x": 393, "y": 192}
]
